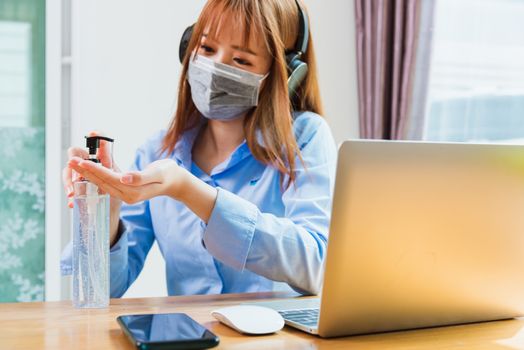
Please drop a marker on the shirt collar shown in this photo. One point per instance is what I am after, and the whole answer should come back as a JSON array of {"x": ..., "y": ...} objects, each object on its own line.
[
  {"x": 184, "y": 147},
  {"x": 240, "y": 153}
]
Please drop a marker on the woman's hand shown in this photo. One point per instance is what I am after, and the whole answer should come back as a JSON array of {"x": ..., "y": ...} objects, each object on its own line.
[
  {"x": 160, "y": 178},
  {"x": 69, "y": 177}
]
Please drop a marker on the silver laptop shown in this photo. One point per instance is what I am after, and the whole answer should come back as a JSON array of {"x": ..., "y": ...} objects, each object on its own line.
[{"x": 422, "y": 234}]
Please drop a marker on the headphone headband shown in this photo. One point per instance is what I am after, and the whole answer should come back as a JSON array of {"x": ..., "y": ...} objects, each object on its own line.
[
  {"x": 300, "y": 45},
  {"x": 303, "y": 30}
]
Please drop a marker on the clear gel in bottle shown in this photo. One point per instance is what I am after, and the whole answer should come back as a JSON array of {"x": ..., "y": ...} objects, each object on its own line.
[{"x": 91, "y": 237}]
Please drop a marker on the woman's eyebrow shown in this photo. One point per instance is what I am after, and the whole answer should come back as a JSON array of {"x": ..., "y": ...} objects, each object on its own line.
[
  {"x": 243, "y": 49},
  {"x": 234, "y": 47}
]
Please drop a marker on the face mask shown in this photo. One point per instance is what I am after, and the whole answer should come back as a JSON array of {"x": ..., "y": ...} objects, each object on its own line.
[{"x": 220, "y": 91}]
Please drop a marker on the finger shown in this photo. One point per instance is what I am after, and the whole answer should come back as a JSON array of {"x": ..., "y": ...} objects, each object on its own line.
[
  {"x": 68, "y": 177},
  {"x": 75, "y": 160},
  {"x": 105, "y": 154},
  {"x": 154, "y": 173},
  {"x": 74, "y": 164},
  {"x": 76, "y": 170},
  {"x": 76, "y": 152},
  {"x": 112, "y": 191},
  {"x": 141, "y": 178},
  {"x": 107, "y": 175},
  {"x": 106, "y": 179},
  {"x": 67, "y": 181},
  {"x": 104, "y": 186}
]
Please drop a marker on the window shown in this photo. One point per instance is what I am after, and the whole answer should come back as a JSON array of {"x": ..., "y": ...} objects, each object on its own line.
[
  {"x": 476, "y": 79},
  {"x": 22, "y": 150},
  {"x": 15, "y": 70}
]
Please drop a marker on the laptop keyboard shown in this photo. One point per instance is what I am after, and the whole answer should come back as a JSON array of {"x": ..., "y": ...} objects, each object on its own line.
[{"x": 306, "y": 317}]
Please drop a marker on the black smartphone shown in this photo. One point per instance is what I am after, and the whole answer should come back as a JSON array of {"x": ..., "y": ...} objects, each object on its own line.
[{"x": 166, "y": 331}]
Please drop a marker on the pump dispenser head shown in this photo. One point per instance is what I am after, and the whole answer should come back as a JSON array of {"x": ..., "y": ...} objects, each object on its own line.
[{"x": 93, "y": 144}]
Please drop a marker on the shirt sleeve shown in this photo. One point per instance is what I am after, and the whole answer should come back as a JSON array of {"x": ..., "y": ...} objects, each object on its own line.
[
  {"x": 287, "y": 249},
  {"x": 127, "y": 255}
]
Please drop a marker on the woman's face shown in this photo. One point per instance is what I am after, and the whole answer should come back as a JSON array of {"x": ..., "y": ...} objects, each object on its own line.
[{"x": 227, "y": 48}]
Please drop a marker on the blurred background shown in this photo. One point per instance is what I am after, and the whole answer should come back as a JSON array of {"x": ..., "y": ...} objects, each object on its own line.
[{"x": 451, "y": 71}]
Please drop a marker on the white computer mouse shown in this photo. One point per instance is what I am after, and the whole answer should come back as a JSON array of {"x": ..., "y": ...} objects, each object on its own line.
[{"x": 250, "y": 319}]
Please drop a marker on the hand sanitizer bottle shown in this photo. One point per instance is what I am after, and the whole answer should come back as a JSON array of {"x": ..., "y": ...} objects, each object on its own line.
[{"x": 91, "y": 237}]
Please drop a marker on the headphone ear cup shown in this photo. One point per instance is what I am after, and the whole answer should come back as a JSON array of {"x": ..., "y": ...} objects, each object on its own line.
[
  {"x": 297, "y": 73},
  {"x": 184, "y": 43}
]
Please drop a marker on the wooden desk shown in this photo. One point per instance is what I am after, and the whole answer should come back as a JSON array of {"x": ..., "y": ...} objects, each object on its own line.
[{"x": 57, "y": 325}]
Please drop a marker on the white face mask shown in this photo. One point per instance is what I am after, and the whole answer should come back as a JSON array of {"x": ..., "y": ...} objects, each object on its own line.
[{"x": 220, "y": 91}]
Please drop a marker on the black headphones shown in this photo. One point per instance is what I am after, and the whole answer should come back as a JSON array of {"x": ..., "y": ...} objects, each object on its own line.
[{"x": 297, "y": 69}]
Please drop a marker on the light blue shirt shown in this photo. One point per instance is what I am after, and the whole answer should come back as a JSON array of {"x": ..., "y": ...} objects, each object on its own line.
[{"x": 258, "y": 233}]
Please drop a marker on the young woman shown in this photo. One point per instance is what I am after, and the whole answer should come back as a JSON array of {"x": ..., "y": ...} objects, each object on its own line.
[{"x": 237, "y": 191}]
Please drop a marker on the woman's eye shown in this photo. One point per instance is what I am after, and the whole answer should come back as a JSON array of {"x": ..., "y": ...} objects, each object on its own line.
[
  {"x": 207, "y": 48},
  {"x": 242, "y": 62}
]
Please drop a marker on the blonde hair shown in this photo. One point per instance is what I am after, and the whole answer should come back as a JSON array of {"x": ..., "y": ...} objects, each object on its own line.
[{"x": 276, "y": 22}]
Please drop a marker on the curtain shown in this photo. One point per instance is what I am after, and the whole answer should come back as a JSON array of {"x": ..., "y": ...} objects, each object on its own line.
[{"x": 393, "y": 50}]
